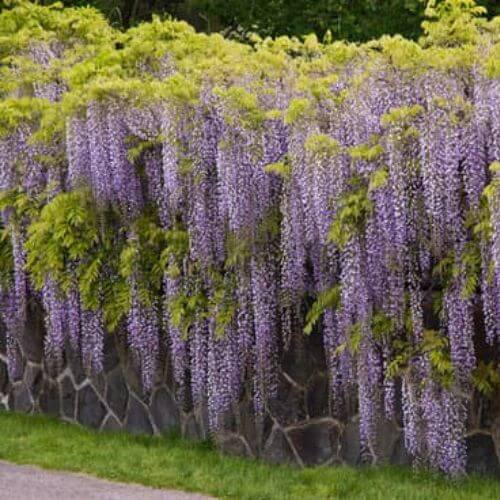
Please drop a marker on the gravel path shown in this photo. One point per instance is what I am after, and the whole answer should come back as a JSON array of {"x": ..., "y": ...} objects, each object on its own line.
[{"x": 20, "y": 482}]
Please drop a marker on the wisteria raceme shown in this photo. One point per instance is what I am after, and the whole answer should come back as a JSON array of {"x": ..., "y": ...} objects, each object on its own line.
[
  {"x": 475, "y": 144},
  {"x": 178, "y": 346},
  {"x": 56, "y": 322},
  {"x": 293, "y": 246},
  {"x": 489, "y": 294},
  {"x": 126, "y": 187},
  {"x": 389, "y": 388},
  {"x": 77, "y": 152},
  {"x": 198, "y": 363},
  {"x": 265, "y": 321},
  {"x": 239, "y": 177},
  {"x": 153, "y": 171},
  {"x": 460, "y": 331},
  {"x": 347, "y": 192},
  {"x": 14, "y": 327},
  {"x": 493, "y": 106},
  {"x": 205, "y": 233},
  {"x": 445, "y": 421},
  {"x": 330, "y": 344},
  {"x": 20, "y": 276},
  {"x": 224, "y": 381},
  {"x": 218, "y": 395},
  {"x": 143, "y": 337},
  {"x": 244, "y": 319},
  {"x": 412, "y": 419},
  {"x": 101, "y": 173},
  {"x": 369, "y": 404},
  {"x": 73, "y": 309},
  {"x": 495, "y": 221},
  {"x": 17, "y": 150},
  {"x": 6, "y": 174},
  {"x": 172, "y": 186},
  {"x": 92, "y": 340},
  {"x": 432, "y": 145}
]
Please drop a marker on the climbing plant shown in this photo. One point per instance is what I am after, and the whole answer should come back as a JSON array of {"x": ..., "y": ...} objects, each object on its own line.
[{"x": 224, "y": 199}]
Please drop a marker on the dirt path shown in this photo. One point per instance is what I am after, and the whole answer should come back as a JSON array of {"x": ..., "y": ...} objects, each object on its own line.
[{"x": 20, "y": 482}]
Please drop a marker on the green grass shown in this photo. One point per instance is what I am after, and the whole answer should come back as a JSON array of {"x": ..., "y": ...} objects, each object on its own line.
[{"x": 172, "y": 462}]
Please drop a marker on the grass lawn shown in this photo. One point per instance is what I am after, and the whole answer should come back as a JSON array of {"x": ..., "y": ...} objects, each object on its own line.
[{"x": 172, "y": 462}]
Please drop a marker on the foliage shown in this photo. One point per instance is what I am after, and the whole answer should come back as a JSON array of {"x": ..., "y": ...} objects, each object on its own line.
[
  {"x": 65, "y": 233},
  {"x": 353, "y": 20},
  {"x": 354, "y": 209},
  {"x": 329, "y": 299},
  {"x": 226, "y": 197}
]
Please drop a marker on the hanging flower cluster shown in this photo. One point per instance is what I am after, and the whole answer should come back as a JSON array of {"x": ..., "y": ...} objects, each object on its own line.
[{"x": 221, "y": 200}]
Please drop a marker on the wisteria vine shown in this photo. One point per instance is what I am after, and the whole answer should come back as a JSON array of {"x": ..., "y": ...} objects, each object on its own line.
[{"x": 222, "y": 210}]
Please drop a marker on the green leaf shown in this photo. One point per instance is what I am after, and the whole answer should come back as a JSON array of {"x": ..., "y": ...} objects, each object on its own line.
[{"x": 329, "y": 299}]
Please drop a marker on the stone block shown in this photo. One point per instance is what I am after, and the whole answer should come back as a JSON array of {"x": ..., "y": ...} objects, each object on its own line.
[
  {"x": 111, "y": 357},
  {"x": 31, "y": 339},
  {"x": 317, "y": 396},
  {"x": 290, "y": 405},
  {"x": 111, "y": 424},
  {"x": 481, "y": 455},
  {"x": 399, "y": 454},
  {"x": 350, "y": 446},
  {"x": 317, "y": 441},
  {"x": 388, "y": 436},
  {"x": 33, "y": 378},
  {"x": 4, "y": 377},
  {"x": 20, "y": 398},
  {"x": 305, "y": 358},
  {"x": 138, "y": 421},
  {"x": 117, "y": 392},
  {"x": 254, "y": 430},
  {"x": 49, "y": 398},
  {"x": 189, "y": 427},
  {"x": 68, "y": 398},
  {"x": 233, "y": 444},
  {"x": 164, "y": 411},
  {"x": 75, "y": 365},
  {"x": 91, "y": 410},
  {"x": 277, "y": 449}
]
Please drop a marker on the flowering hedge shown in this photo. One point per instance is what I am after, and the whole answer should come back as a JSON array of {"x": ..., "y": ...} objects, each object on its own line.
[{"x": 222, "y": 199}]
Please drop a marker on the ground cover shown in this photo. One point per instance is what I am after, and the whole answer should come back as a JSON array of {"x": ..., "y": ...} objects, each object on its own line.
[{"x": 172, "y": 462}]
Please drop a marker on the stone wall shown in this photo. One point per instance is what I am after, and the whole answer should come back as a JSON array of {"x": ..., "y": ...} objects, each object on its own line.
[{"x": 297, "y": 428}]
